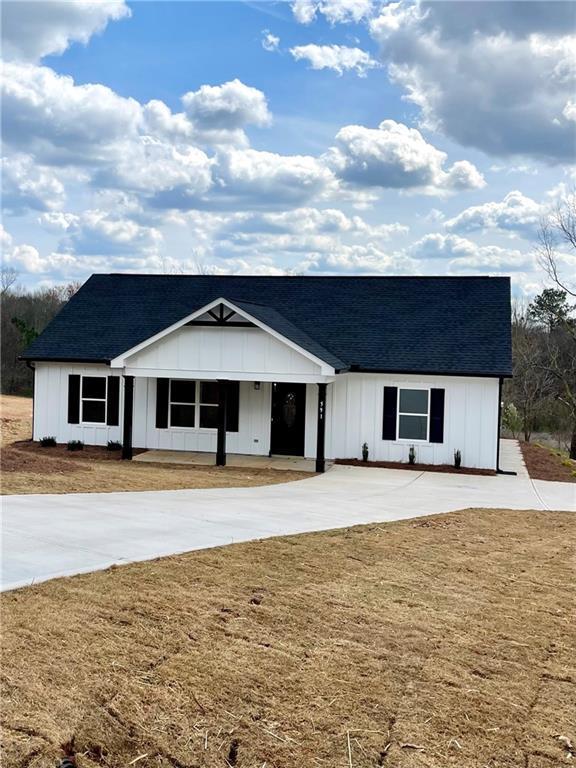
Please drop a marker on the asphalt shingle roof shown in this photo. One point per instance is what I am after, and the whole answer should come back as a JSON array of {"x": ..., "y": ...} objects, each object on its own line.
[{"x": 451, "y": 325}]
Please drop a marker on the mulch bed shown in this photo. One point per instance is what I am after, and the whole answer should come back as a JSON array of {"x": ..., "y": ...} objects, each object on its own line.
[
  {"x": 446, "y": 468},
  {"x": 545, "y": 464}
]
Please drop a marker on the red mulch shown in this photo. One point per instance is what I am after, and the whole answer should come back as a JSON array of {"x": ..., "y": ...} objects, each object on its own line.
[
  {"x": 544, "y": 464},
  {"x": 416, "y": 467}
]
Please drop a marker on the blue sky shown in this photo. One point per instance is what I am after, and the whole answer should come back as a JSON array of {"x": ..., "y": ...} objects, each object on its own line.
[{"x": 314, "y": 137}]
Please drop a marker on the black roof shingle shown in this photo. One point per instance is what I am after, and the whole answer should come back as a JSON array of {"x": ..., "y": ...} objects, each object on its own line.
[{"x": 442, "y": 325}]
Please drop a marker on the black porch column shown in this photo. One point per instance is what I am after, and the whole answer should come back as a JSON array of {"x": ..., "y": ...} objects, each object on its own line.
[
  {"x": 128, "y": 415},
  {"x": 221, "y": 438},
  {"x": 321, "y": 431}
]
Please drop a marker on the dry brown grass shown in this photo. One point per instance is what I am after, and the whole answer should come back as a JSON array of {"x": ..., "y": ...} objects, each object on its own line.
[
  {"x": 27, "y": 468},
  {"x": 452, "y": 633}
]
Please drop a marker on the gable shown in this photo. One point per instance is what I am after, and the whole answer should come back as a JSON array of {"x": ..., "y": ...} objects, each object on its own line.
[{"x": 221, "y": 349}]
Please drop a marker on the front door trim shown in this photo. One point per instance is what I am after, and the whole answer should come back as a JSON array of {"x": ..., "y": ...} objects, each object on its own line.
[{"x": 287, "y": 439}]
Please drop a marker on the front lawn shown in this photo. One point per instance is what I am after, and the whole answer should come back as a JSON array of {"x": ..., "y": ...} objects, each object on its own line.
[
  {"x": 29, "y": 468},
  {"x": 443, "y": 641}
]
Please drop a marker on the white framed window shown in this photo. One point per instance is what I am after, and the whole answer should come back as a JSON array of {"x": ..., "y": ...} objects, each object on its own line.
[
  {"x": 193, "y": 404},
  {"x": 413, "y": 414},
  {"x": 93, "y": 393}
]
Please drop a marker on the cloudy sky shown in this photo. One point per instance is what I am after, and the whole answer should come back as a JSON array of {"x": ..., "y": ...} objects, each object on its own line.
[{"x": 313, "y": 137}]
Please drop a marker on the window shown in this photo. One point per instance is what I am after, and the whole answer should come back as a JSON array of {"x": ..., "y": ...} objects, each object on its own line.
[
  {"x": 413, "y": 413},
  {"x": 93, "y": 397},
  {"x": 193, "y": 404}
]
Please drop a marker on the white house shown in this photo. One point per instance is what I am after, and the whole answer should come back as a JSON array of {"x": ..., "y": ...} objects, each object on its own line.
[{"x": 293, "y": 366}]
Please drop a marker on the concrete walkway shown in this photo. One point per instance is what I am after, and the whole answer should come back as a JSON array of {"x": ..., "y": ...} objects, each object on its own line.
[{"x": 45, "y": 536}]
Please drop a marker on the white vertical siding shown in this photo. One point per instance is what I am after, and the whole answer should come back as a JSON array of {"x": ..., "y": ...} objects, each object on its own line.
[
  {"x": 353, "y": 416},
  {"x": 51, "y": 405},
  {"x": 240, "y": 350},
  {"x": 355, "y": 411}
]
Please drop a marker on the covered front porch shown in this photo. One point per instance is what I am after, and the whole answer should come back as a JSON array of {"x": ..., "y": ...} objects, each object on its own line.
[
  {"x": 222, "y": 381},
  {"x": 242, "y": 461}
]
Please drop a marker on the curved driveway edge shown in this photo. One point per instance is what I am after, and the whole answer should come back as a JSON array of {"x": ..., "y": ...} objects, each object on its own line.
[{"x": 47, "y": 536}]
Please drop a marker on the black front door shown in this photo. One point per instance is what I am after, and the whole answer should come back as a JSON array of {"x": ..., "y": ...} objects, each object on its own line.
[{"x": 288, "y": 419}]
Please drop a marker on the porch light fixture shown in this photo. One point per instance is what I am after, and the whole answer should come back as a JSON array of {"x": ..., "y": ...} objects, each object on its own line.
[{"x": 256, "y": 385}]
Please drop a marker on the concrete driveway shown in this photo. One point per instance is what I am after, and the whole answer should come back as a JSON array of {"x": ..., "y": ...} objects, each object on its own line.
[{"x": 45, "y": 536}]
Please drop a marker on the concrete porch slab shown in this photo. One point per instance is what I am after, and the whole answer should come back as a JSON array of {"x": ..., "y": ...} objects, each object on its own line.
[{"x": 202, "y": 459}]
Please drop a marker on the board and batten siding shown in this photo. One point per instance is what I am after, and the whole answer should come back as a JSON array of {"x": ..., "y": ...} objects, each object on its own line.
[
  {"x": 252, "y": 438},
  {"x": 354, "y": 415},
  {"x": 355, "y": 412},
  {"x": 51, "y": 405},
  {"x": 243, "y": 350}
]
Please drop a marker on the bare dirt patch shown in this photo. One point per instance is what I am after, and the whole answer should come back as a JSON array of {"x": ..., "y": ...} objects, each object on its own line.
[
  {"x": 29, "y": 468},
  {"x": 444, "y": 641},
  {"x": 547, "y": 464}
]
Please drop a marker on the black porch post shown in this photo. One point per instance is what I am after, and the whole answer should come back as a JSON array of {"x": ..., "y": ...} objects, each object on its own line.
[
  {"x": 128, "y": 415},
  {"x": 321, "y": 431},
  {"x": 221, "y": 438}
]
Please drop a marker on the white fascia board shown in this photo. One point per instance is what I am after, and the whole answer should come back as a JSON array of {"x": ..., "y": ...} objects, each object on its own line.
[{"x": 120, "y": 361}]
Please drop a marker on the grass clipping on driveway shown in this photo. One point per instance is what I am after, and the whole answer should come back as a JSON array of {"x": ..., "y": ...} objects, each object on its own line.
[{"x": 443, "y": 641}]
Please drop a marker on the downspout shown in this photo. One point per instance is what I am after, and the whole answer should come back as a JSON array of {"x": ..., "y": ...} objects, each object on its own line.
[
  {"x": 33, "y": 369},
  {"x": 498, "y": 470}
]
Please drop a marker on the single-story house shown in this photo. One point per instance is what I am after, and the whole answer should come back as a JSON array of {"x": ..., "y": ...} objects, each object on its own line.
[{"x": 293, "y": 366}]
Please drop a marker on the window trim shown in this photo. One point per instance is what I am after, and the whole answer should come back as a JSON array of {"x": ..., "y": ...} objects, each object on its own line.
[
  {"x": 403, "y": 413},
  {"x": 197, "y": 404},
  {"x": 93, "y": 400}
]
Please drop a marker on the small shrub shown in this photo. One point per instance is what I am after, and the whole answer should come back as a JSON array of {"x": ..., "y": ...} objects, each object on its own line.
[
  {"x": 512, "y": 420},
  {"x": 75, "y": 445},
  {"x": 113, "y": 445},
  {"x": 412, "y": 455},
  {"x": 457, "y": 458},
  {"x": 365, "y": 452},
  {"x": 48, "y": 442}
]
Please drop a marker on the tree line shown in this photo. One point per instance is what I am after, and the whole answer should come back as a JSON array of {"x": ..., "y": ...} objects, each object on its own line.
[{"x": 23, "y": 316}]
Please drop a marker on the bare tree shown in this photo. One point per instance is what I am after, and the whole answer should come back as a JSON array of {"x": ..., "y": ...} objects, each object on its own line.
[
  {"x": 533, "y": 382},
  {"x": 558, "y": 230},
  {"x": 8, "y": 277}
]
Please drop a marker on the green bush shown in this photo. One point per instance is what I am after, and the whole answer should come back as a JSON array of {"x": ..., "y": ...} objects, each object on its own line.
[
  {"x": 75, "y": 445},
  {"x": 48, "y": 442},
  {"x": 113, "y": 445}
]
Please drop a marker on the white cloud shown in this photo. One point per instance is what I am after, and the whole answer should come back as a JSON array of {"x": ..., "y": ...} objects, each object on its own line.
[
  {"x": 270, "y": 42},
  {"x": 26, "y": 185},
  {"x": 496, "y": 76},
  {"x": 61, "y": 123},
  {"x": 26, "y": 258},
  {"x": 95, "y": 232},
  {"x": 467, "y": 256},
  {"x": 515, "y": 213},
  {"x": 396, "y": 156},
  {"x": 229, "y": 106},
  {"x": 569, "y": 111},
  {"x": 31, "y": 30},
  {"x": 249, "y": 177},
  {"x": 335, "y": 11},
  {"x": 339, "y": 58}
]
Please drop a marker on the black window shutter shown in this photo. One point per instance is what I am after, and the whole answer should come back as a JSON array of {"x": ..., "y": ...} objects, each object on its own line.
[
  {"x": 73, "y": 398},
  {"x": 390, "y": 410},
  {"x": 162, "y": 386},
  {"x": 113, "y": 410},
  {"x": 436, "y": 415},
  {"x": 233, "y": 406}
]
